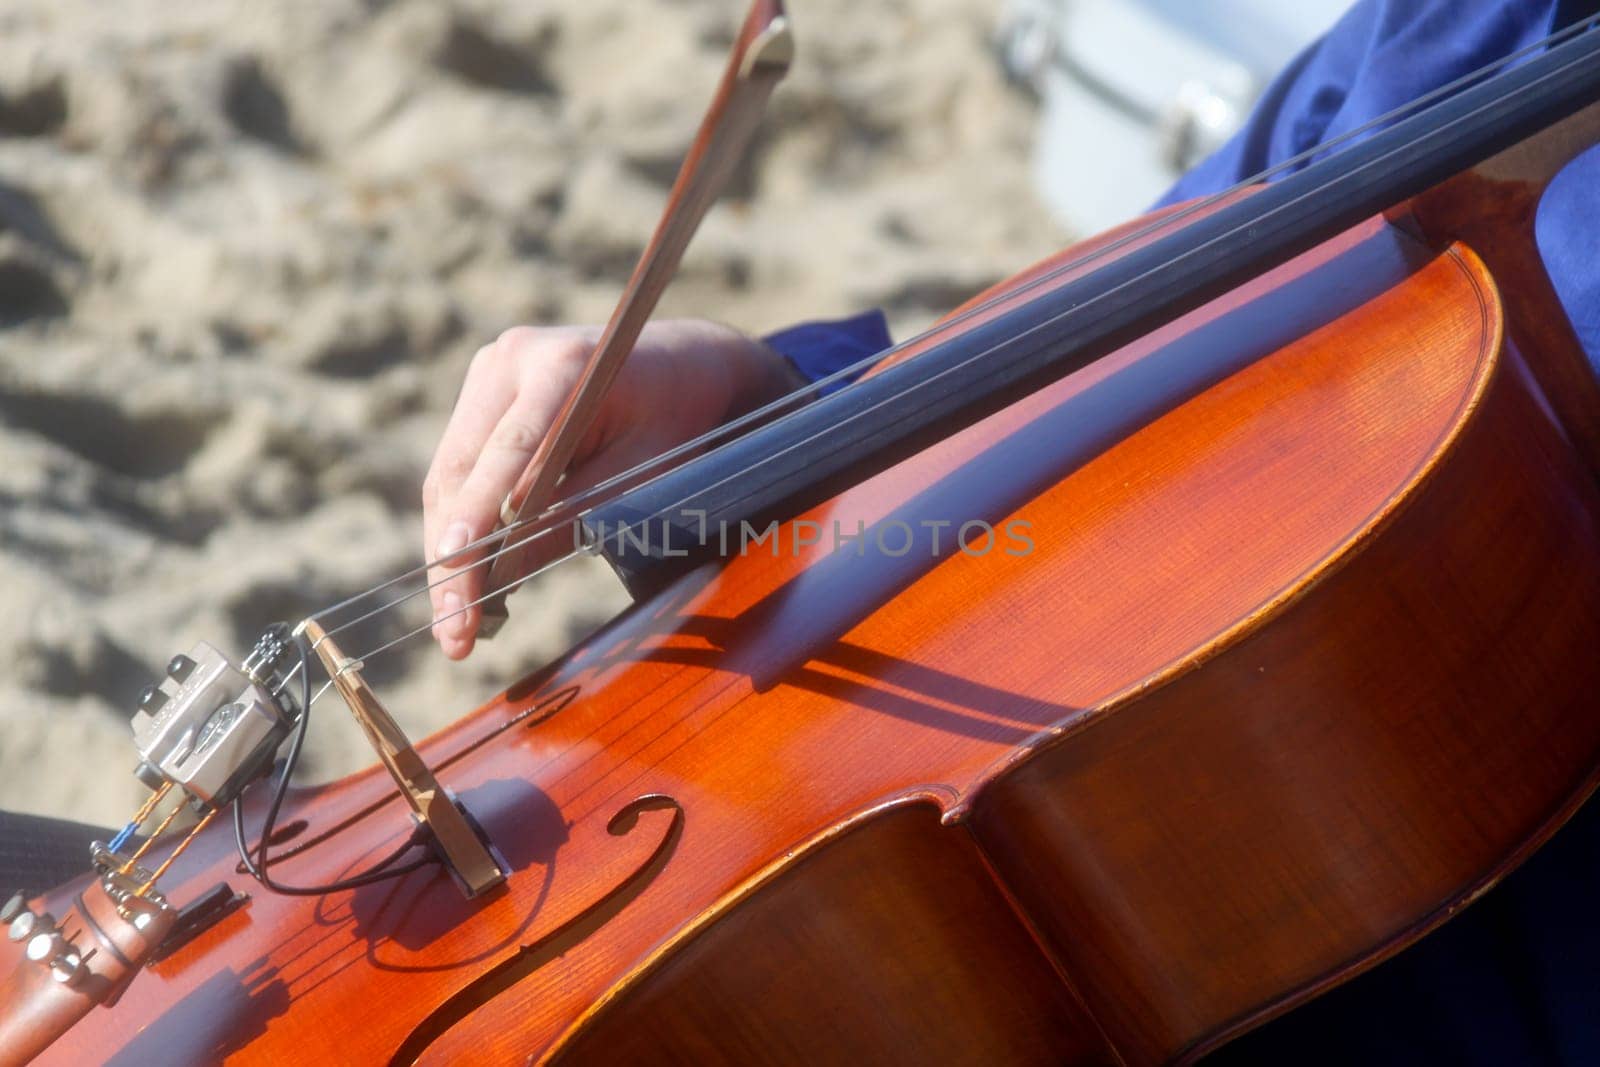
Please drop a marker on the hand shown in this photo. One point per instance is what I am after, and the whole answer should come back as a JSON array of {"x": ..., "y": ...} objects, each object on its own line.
[{"x": 682, "y": 379}]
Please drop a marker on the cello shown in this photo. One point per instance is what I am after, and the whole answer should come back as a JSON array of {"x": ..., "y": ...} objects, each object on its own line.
[{"x": 1175, "y": 632}]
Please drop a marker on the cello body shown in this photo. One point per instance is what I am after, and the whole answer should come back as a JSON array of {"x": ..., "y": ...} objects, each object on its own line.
[{"x": 1278, "y": 652}]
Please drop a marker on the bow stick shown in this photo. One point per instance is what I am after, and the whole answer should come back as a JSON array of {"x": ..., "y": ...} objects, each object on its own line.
[{"x": 760, "y": 58}]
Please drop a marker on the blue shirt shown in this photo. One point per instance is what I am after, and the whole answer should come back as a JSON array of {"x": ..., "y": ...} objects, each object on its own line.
[
  {"x": 1382, "y": 54},
  {"x": 1514, "y": 979}
]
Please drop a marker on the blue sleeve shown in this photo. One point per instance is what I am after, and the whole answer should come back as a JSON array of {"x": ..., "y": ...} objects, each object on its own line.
[
  {"x": 1385, "y": 53},
  {"x": 818, "y": 349},
  {"x": 1380, "y": 55}
]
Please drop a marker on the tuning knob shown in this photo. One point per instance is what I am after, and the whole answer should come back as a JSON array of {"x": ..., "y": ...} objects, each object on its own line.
[
  {"x": 67, "y": 968},
  {"x": 13, "y": 907},
  {"x": 56, "y": 983},
  {"x": 28, "y": 924},
  {"x": 45, "y": 945},
  {"x": 150, "y": 699},
  {"x": 180, "y": 668}
]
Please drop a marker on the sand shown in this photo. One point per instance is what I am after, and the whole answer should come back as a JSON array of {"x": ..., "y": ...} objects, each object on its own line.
[{"x": 246, "y": 250}]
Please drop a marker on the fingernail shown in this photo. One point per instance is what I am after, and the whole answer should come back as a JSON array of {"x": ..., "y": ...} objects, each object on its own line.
[
  {"x": 454, "y": 624},
  {"x": 454, "y": 540}
]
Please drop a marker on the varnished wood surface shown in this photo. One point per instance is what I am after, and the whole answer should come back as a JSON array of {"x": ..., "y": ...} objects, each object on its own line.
[
  {"x": 1340, "y": 778},
  {"x": 36, "y": 1007},
  {"x": 1493, "y": 208},
  {"x": 1302, "y": 639},
  {"x": 847, "y": 938}
]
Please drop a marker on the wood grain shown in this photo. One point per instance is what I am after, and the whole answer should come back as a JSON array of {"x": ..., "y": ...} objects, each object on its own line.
[{"x": 1299, "y": 663}]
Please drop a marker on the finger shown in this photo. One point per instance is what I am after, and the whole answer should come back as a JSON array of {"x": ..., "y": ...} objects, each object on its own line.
[
  {"x": 485, "y": 394},
  {"x": 456, "y": 608},
  {"x": 498, "y": 380},
  {"x": 455, "y": 619},
  {"x": 491, "y": 387},
  {"x": 501, "y": 462},
  {"x": 474, "y": 511},
  {"x": 601, "y": 465},
  {"x": 505, "y": 452}
]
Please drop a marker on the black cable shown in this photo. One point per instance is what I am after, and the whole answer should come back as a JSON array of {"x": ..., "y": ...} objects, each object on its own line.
[
  {"x": 379, "y": 872},
  {"x": 258, "y": 867}
]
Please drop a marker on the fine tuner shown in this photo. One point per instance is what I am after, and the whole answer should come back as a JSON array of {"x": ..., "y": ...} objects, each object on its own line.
[
  {"x": 205, "y": 733},
  {"x": 948, "y": 814},
  {"x": 210, "y": 728}
]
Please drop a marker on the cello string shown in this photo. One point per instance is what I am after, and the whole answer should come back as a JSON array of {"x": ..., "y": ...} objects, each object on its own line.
[
  {"x": 506, "y": 547},
  {"x": 606, "y": 490},
  {"x": 1376, "y": 161},
  {"x": 591, "y": 495},
  {"x": 507, "y": 587},
  {"x": 573, "y": 503},
  {"x": 956, "y": 367}
]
